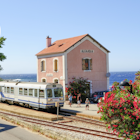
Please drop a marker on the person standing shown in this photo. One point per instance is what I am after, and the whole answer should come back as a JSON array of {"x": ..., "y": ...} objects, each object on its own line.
[
  {"x": 87, "y": 103},
  {"x": 70, "y": 99},
  {"x": 79, "y": 100}
]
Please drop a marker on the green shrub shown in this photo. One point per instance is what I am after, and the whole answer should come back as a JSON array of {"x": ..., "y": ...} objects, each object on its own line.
[{"x": 78, "y": 86}]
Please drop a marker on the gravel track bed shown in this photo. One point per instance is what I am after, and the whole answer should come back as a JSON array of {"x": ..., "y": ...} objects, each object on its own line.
[{"x": 58, "y": 134}]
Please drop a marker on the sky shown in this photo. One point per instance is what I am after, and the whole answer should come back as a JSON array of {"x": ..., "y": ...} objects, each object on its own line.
[{"x": 26, "y": 23}]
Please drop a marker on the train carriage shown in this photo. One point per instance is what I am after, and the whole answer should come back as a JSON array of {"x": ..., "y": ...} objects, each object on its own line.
[{"x": 32, "y": 94}]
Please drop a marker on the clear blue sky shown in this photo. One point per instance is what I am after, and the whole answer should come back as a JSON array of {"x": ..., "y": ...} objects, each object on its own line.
[{"x": 27, "y": 23}]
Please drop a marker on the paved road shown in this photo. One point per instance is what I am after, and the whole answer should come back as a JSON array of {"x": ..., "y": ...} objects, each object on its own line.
[{"x": 9, "y": 131}]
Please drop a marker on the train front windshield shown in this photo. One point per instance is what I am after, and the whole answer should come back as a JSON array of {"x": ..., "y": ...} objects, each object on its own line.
[{"x": 58, "y": 92}]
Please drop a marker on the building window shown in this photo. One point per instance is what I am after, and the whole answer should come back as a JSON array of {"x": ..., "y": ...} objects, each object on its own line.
[
  {"x": 55, "y": 63},
  {"x": 43, "y": 66},
  {"x": 55, "y": 81},
  {"x": 86, "y": 64},
  {"x": 43, "y": 80}
]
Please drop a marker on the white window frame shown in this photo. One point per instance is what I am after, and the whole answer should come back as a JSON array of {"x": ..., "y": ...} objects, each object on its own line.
[
  {"x": 90, "y": 82},
  {"x": 55, "y": 79},
  {"x": 45, "y": 64},
  {"x": 42, "y": 79},
  {"x": 57, "y": 64},
  {"x": 89, "y": 65}
]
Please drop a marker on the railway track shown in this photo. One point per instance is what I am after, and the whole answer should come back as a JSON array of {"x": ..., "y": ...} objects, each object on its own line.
[
  {"x": 82, "y": 119},
  {"x": 82, "y": 130}
]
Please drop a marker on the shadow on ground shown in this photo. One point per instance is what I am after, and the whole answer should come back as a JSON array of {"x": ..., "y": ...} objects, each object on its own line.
[{"x": 4, "y": 127}]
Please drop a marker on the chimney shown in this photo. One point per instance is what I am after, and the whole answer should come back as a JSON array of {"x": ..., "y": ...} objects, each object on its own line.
[{"x": 48, "y": 42}]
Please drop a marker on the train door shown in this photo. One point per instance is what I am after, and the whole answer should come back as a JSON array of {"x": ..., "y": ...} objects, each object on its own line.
[
  {"x": 34, "y": 98},
  {"x": 16, "y": 90},
  {"x": 42, "y": 98}
]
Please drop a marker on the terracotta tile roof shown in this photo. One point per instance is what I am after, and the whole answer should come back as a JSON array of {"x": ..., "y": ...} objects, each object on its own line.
[{"x": 60, "y": 46}]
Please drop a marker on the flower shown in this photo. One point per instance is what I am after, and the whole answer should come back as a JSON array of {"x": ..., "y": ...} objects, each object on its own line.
[{"x": 74, "y": 97}]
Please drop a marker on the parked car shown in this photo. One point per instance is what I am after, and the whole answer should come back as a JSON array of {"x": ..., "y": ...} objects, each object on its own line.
[{"x": 97, "y": 95}]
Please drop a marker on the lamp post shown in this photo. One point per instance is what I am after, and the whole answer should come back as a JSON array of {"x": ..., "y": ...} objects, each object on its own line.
[{"x": 125, "y": 83}]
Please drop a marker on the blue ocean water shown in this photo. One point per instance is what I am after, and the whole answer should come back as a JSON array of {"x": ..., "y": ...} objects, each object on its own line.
[
  {"x": 23, "y": 77},
  {"x": 120, "y": 76},
  {"x": 115, "y": 76}
]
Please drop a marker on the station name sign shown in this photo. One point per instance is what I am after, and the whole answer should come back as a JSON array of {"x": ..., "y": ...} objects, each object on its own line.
[
  {"x": 49, "y": 74},
  {"x": 87, "y": 51}
]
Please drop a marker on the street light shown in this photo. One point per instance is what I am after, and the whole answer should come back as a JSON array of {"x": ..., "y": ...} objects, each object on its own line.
[{"x": 125, "y": 83}]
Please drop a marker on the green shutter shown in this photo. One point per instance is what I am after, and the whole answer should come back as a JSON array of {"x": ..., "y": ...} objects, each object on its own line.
[
  {"x": 90, "y": 64},
  {"x": 83, "y": 64}
]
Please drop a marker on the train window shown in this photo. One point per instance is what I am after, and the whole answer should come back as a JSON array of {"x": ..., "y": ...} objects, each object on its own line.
[
  {"x": 25, "y": 91},
  {"x": 12, "y": 90},
  {"x": 49, "y": 92},
  {"x": 8, "y": 89},
  {"x": 30, "y": 92},
  {"x": 5, "y": 89},
  {"x": 41, "y": 93},
  {"x": 58, "y": 92},
  {"x": 35, "y": 92},
  {"x": 20, "y": 91}
]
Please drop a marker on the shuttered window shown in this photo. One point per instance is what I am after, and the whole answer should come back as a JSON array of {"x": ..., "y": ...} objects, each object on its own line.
[
  {"x": 90, "y": 64},
  {"x": 86, "y": 64},
  {"x": 43, "y": 80},
  {"x": 55, "y": 65},
  {"x": 43, "y": 65},
  {"x": 55, "y": 80}
]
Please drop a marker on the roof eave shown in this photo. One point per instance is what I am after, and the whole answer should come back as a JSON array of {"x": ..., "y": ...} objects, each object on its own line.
[
  {"x": 92, "y": 39},
  {"x": 49, "y": 53}
]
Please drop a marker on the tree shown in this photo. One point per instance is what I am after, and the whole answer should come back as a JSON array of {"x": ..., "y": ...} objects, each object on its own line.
[
  {"x": 2, "y": 56},
  {"x": 78, "y": 86}
]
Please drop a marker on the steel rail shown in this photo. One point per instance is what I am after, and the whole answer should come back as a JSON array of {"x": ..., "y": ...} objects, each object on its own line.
[
  {"x": 48, "y": 124},
  {"x": 80, "y": 119}
]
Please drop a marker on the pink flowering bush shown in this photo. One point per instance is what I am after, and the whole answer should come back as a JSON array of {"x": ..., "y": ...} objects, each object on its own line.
[
  {"x": 78, "y": 86},
  {"x": 120, "y": 110}
]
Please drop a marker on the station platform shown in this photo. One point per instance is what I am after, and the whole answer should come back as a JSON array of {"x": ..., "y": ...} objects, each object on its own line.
[
  {"x": 28, "y": 112},
  {"x": 80, "y": 111}
]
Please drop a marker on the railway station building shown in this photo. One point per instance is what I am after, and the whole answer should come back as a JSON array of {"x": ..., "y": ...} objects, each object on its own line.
[{"x": 80, "y": 56}]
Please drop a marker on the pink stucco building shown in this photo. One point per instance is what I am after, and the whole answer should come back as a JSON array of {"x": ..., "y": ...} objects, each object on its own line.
[{"x": 80, "y": 56}]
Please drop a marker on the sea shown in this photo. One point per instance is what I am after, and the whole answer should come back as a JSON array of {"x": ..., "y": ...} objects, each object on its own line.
[{"x": 114, "y": 77}]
